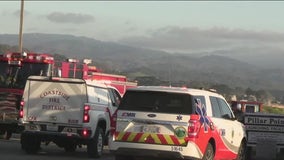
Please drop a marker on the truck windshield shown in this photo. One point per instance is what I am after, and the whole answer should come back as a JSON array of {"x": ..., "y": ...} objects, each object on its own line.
[{"x": 14, "y": 76}]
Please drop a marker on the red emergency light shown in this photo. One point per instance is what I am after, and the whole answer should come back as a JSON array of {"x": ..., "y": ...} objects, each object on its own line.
[{"x": 16, "y": 58}]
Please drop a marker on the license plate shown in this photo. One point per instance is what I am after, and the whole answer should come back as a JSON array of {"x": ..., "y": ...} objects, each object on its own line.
[
  {"x": 151, "y": 129},
  {"x": 52, "y": 128}
]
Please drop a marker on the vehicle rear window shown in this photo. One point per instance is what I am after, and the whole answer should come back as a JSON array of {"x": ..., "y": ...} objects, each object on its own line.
[{"x": 153, "y": 101}]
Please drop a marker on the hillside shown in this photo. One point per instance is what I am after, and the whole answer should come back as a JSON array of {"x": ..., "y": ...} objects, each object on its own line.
[{"x": 113, "y": 57}]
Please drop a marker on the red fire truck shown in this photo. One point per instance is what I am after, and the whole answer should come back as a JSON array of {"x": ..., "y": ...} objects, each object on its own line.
[
  {"x": 76, "y": 69},
  {"x": 246, "y": 106},
  {"x": 15, "y": 68}
]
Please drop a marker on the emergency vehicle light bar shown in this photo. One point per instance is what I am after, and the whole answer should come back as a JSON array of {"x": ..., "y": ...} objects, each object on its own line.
[
  {"x": 16, "y": 58},
  {"x": 14, "y": 63},
  {"x": 92, "y": 68},
  {"x": 87, "y": 61},
  {"x": 72, "y": 60}
]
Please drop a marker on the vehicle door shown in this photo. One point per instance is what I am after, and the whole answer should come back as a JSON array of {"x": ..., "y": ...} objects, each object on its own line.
[
  {"x": 225, "y": 123},
  {"x": 115, "y": 100}
]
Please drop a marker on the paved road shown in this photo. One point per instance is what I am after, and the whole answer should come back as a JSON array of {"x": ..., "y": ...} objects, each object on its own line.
[{"x": 11, "y": 150}]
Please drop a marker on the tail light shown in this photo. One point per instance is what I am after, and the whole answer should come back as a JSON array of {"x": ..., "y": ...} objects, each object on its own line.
[
  {"x": 21, "y": 111},
  {"x": 86, "y": 116},
  {"x": 193, "y": 126},
  {"x": 113, "y": 123},
  {"x": 85, "y": 133}
]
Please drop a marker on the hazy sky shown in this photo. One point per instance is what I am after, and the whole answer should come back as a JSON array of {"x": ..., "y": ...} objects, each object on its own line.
[{"x": 168, "y": 25}]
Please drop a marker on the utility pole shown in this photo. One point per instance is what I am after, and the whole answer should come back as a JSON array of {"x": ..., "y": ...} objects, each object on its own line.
[{"x": 21, "y": 27}]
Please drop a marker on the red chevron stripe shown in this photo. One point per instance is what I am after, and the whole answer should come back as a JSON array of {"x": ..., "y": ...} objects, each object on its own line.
[
  {"x": 137, "y": 137},
  {"x": 162, "y": 139},
  {"x": 175, "y": 140},
  {"x": 116, "y": 134},
  {"x": 125, "y": 136}
]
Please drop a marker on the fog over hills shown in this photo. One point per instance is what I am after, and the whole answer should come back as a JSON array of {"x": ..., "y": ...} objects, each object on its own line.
[
  {"x": 262, "y": 57},
  {"x": 238, "y": 67}
]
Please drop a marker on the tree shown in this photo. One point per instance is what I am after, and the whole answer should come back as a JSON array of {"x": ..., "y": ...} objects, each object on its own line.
[{"x": 249, "y": 91}]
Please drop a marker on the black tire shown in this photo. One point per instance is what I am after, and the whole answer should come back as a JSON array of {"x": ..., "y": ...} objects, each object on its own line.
[
  {"x": 7, "y": 135},
  {"x": 30, "y": 143},
  {"x": 209, "y": 152},
  {"x": 95, "y": 145},
  {"x": 123, "y": 157},
  {"x": 70, "y": 147},
  {"x": 248, "y": 153},
  {"x": 242, "y": 151}
]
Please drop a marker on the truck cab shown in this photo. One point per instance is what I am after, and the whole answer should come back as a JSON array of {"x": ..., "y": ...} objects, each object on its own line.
[
  {"x": 242, "y": 107},
  {"x": 15, "y": 68},
  {"x": 246, "y": 106}
]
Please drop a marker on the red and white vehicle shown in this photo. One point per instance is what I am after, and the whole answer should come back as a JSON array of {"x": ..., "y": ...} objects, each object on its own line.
[
  {"x": 245, "y": 106},
  {"x": 73, "y": 68},
  {"x": 69, "y": 112},
  {"x": 176, "y": 123},
  {"x": 15, "y": 68}
]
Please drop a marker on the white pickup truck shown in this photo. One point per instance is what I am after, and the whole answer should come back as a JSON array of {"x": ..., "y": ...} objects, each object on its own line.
[{"x": 68, "y": 112}]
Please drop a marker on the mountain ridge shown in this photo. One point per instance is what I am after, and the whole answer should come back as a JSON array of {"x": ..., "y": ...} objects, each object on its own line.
[{"x": 211, "y": 67}]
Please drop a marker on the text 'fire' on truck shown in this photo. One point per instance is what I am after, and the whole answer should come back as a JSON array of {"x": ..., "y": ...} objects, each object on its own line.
[{"x": 15, "y": 68}]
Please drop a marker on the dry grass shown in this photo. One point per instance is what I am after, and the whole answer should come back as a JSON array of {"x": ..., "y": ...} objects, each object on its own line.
[{"x": 277, "y": 105}]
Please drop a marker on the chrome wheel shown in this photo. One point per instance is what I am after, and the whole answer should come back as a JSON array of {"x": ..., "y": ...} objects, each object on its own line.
[{"x": 209, "y": 152}]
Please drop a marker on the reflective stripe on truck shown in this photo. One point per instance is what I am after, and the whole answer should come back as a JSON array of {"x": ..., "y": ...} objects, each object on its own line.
[{"x": 150, "y": 138}]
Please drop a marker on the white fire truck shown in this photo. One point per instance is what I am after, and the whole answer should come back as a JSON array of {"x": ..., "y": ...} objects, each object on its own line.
[{"x": 68, "y": 112}]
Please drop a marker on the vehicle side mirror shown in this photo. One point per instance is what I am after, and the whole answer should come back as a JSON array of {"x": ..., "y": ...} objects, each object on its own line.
[
  {"x": 226, "y": 116},
  {"x": 239, "y": 117}
]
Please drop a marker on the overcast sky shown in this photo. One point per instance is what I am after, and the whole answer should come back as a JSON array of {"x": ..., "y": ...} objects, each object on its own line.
[{"x": 183, "y": 26}]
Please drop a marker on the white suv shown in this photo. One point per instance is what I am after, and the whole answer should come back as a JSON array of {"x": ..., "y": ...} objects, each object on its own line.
[{"x": 176, "y": 123}]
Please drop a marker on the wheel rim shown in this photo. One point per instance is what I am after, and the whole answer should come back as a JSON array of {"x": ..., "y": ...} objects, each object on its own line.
[
  {"x": 209, "y": 155},
  {"x": 241, "y": 154}
]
